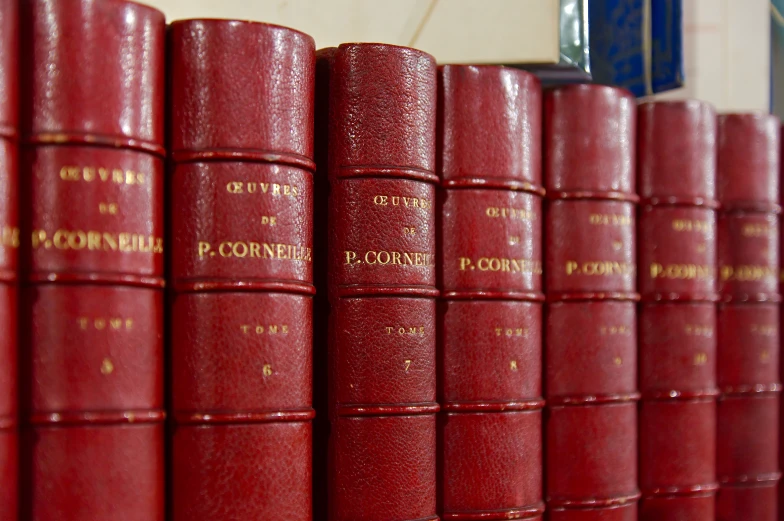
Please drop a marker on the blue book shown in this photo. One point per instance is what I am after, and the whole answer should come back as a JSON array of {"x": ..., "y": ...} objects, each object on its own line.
[
  {"x": 637, "y": 44},
  {"x": 617, "y": 44},
  {"x": 777, "y": 57},
  {"x": 666, "y": 45}
]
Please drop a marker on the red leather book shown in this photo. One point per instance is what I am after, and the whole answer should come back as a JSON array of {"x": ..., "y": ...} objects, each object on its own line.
[
  {"x": 676, "y": 154},
  {"x": 490, "y": 314},
  {"x": 92, "y": 255},
  {"x": 381, "y": 282},
  {"x": 748, "y": 318},
  {"x": 781, "y": 319},
  {"x": 241, "y": 198},
  {"x": 591, "y": 320},
  {"x": 9, "y": 244}
]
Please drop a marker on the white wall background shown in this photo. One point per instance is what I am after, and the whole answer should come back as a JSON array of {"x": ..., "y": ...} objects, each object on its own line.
[
  {"x": 726, "y": 42},
  {"x": 727, "y": 53}
]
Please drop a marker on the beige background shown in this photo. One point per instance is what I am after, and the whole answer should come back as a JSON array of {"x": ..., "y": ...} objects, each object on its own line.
[
  {"x": 727, "y": 49},
  {"x": 727, "y": 53}
]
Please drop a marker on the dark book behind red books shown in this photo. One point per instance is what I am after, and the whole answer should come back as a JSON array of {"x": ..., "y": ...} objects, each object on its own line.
[
  {"x": 591, "y": 320},
  {"x": 9, "y": 244},
  {"x": 490, "y": 314},
  {"x": 242, "y": 270},
  {"x": 748, "y": 318},
  {"x": 676, "y": 154},
  {"x": 92, "y": 83},
  {"x": 381, "y": 282}
]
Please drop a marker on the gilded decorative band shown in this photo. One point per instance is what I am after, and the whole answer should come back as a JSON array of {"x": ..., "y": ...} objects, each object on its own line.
[
  {"x": 530, "y": 296},
  {"x": 749, "y": 389},
  {"x": 560, "y": 503},
  {"x": 679, "y": 297},
  {"x": 493, "y": 183},
  {"x": 702, "y": 490},
  {"x": 596, "y": 399},
  {"x": 260, "y": 156},
  {"x": 759, "y": 480},
  {"x": 560, "y": 296},
  {"x": 480, "y": 407},
  {"x": 699, "y": 395},
  {"x": 390, "y": 172},
  {"x": 387, "y": 410},
  {"x": 366, "y": 290},
  {"x": 66, "y": 138},
  {"x": 594, "y": 195},
  {"x": 105, "y": 279},
  {"x": 523, "y": 512},
  {"x": 96, "y": 417},
  {"x": 211, "y": 418},
  {"x": 702, "y": 202},
  {"x": 277, "y": 286}
]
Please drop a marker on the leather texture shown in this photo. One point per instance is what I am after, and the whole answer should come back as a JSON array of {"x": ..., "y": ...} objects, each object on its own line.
[
  {"x": 625, "y": 512},
  {"x": 117, "y": 49},
  {"x": 490, "y": 274},
  {"x": 677, "y": 252},
  {"x": 746, "y": 502},
  {"x": 747, "y": 461},
  {"x": 595, "y": 152},
  {"x": 590, "y": 335},
  {"x": 236, "y": 471},
  {"x": 748, "y": 161},
  {"x": 86, "y": 472},
  {"x": 676, "y": 152},
  {"x": 116, "y": 374},
  {"x": 241, "y": 207},
  {"x": 116, "y": 233},
  {"x": 748, "y": 255},
  {"x": 676, "y": 144},
  {"x": 9, "y": 244},
  {"x": 92, "y": 398},
  {"x": 91, "y": 170},
  {"x": 381, "y": 105}
]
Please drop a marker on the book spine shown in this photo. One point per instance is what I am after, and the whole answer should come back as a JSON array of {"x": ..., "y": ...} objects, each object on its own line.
[
  {"x": 241, "y": 203},
  {"x": 748, "y": 317},
  {"x": 490, "y": 313},
  {"x": 591, "y": 320},
  {"x": 676, "y": 150},
  {"x": 9, "y": 244},
  {"x": 381, "y": 283},
  {"x": 92, "y": 259}
]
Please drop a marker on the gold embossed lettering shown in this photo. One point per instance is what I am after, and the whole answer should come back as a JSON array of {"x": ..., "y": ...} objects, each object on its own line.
[
  {"x": 520, "y": 214},
  {"x": 682, "y": 271},
  {"x": 689, "y": 225},
  {"x": 9, "y": 236},
  {"x": 601, "y": 219},
  {"x": 757, "y": 230},
  {"x": 599, "y": 268}
]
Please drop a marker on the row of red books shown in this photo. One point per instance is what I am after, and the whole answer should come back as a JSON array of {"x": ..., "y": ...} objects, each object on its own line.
[{"x": 395, "y": 291}]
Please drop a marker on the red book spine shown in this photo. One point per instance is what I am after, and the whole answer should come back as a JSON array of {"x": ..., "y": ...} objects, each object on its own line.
[
  {"x": 9, "y": 244},
  {"x": 92, "y": 259},
  {"x": 490, "y": 316},
  {"x": 591, "y": 321},
  {"x": 748, "y": 318},
  {"x": 781, "y": 321},
  {"x": 381, "y": 282},
  {"x": 676, "y": 150},
  {"x": 242, "y": 270}
]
